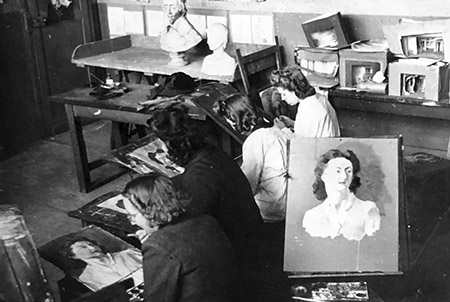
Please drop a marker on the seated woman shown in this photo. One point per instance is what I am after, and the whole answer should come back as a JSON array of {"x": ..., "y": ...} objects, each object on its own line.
[
  {"x": 340, "y": 213},
  {"x": 315, "y": 115},
  {"x": 212, "y": 178},
  {"x": 264, "y": 156},
  {"x": 185, "y": 258}
]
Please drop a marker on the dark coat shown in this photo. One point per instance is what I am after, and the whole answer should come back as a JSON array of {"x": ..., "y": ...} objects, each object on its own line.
[
  {"x": 219, "y": 188},
  {"x": 191, "y": 260}
]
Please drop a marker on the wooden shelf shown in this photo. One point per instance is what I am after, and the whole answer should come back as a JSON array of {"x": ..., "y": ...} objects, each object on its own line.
[
  {"x": 142, "y": 54},
  {"x": 345, "y": 99}
]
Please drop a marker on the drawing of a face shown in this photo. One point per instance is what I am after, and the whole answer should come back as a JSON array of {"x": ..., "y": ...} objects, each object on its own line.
[
  {"x": 338, "y": 175},
  {"x": 85, "y": 250},
  {"x": 288, "y": 96}
]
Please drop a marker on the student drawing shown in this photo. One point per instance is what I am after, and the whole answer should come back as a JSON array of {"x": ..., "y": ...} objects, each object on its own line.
[
  {"x": 102, "y": 267},
  {"x": 340, "y": 213}
]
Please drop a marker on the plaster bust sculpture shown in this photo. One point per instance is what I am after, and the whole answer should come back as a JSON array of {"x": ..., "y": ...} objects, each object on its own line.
[
  {"x": 179, "y": 35},
  {"x": 219, "y": 62}
]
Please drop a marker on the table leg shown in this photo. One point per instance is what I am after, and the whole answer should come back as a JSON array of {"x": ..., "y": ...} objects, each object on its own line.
[{"x": 79, "y": 150}]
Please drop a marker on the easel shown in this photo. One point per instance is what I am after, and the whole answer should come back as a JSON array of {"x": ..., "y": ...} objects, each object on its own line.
[{"x": 299, "y": 148}]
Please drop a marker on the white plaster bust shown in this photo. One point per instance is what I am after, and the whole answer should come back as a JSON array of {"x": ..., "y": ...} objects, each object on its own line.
[
  {"x": 219, "y": 62},
  {"x": 179, "y": 35}
]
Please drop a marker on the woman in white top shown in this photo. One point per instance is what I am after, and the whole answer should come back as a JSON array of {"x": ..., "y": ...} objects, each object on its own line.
[
  {"x": 341, "y": 213},
  {"x": 315, "y": 115},
  {"x": 264, "y": 156}
]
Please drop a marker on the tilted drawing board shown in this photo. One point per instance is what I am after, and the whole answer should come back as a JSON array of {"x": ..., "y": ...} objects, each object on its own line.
[{"x": 369, "y": 235}]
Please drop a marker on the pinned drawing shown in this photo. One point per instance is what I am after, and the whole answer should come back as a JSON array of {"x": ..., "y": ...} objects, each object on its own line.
[
  {"x": 343, "y": 206},
  {"x": 153, "y": 156}
]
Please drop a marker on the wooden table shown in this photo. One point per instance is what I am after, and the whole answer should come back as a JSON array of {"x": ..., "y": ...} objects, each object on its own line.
[
  {"x": 144, "y": 54},
  {"x": 123, "y": 109}
]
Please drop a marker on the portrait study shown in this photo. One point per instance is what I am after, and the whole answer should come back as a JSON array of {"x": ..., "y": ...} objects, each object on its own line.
[
  {"x": 343, "y": 205},
  {"x": 95, "y": 258}
]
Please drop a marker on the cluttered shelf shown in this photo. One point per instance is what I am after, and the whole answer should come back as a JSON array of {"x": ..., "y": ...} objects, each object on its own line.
[
  {"x": 369, "y": 102},
  {"x": 143, "y": 54}
]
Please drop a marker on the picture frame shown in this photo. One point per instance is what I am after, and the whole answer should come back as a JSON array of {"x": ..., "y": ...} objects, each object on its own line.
[{"x": 382, "y": 252}]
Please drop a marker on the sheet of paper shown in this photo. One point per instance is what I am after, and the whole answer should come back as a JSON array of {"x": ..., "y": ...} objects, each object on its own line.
[
  {"x": 262, "y": 29},
  {"x": 134, "y": 22},
  {"x": 116, "y": 21},
  {"x": 114, "y": 203},
  {"x": 155, "y": 22},
  {"x": 240, "y": 28}
]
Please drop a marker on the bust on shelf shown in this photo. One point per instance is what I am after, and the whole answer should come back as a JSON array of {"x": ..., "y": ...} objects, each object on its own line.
[
  {"x": 219, "y": 62},
  {"x": 179, "y": 35}
]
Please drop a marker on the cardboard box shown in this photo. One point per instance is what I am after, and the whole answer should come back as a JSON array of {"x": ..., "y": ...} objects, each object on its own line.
[
  {"x": 326, "y": 31},
  {"x": 357, "y": 67},
  {"x": 425, "y": 39},
  {"x": 418, "y": 79},
  {"x": 319, "y": 65}
]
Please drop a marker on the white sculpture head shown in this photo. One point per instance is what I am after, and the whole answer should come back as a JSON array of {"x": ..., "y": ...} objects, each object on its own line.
[
  {"x": 217, "y": 35},
  {"x": 173, "y": 9}
]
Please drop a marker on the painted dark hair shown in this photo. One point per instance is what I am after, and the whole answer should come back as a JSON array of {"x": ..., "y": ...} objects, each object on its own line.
[
  {"x": 319, "y": 186},
  {"x": 238, "y": 109},
  {"x": 66, "y": 248},
  {"x": 292, "y": 79},
  {"x": 156, "y": 198},
  {"x": 179, "y": 132}
]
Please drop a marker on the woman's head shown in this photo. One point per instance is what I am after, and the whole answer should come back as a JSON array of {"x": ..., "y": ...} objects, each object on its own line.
[
  {"x": 179, "y": 132},
  {"x": 292, "y": 84},
  {"x": 153, "y": 201},
  {"x": 336, "y": 170},
  {"x": 240, "y": 113}
]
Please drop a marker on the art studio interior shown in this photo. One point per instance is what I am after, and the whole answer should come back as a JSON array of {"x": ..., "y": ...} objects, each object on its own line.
[{"x": 224, "y": 150}]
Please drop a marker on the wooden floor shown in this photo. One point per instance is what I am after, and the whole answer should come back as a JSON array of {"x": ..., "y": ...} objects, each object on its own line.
[{"x": 42, "y": 182}]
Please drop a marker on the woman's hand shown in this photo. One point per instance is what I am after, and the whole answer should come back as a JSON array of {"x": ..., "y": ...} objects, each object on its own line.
[
  {"x": 287, "y": 121},
  {"x": 142, "y": 235},
  {"x": 279, "y": 123}
]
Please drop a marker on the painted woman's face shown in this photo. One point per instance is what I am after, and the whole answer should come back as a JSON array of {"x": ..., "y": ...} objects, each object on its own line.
[
  {"x": 288, "y": 96},
  {"x": 85, "y": 250},
  {"x": 338, "y": 174}
]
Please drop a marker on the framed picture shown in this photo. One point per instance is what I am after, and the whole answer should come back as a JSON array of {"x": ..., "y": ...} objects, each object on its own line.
[{"x": 344, "y": 196}]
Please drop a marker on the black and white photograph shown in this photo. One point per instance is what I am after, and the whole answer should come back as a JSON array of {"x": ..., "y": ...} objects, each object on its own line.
[{"x": 224, "y": 151}]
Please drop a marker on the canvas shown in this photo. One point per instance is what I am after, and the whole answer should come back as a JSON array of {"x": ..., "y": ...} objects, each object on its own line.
[
  {"x": 127, "y": 260},
  {"x": 367, "y": 235}
]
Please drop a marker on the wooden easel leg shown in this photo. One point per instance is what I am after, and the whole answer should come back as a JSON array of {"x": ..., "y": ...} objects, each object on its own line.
[{"x": 79, "y": 150}]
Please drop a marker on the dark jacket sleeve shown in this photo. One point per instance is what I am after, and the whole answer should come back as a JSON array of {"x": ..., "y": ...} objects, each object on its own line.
[{"x": 161, "y": 275}]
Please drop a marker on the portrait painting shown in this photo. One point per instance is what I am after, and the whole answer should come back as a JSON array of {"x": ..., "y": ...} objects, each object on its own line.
[
  {"x": 343, "y": 206},
  {"x": 95, "y": 258}
]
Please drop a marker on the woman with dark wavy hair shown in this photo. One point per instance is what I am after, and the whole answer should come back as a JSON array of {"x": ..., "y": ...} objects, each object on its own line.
[
  {"x": 340, "y": 213},
  {"x": 315, "y": 115},
  {"x": 212, "y": 178},
  {"x": 264, "y": 155},
  {"x": 184, "y": 258}
]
